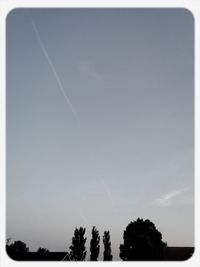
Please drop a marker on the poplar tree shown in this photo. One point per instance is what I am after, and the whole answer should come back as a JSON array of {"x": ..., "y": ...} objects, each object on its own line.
[
  {"x": 94, "y": 244},
  {"x": 107, "y": 255},
  {"x": 78, "y": 250}
]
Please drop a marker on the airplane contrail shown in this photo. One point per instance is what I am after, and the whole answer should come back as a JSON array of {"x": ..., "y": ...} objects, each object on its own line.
[
  {"x": 107, "y": 190},
  {"x": 60, "y": 85}
]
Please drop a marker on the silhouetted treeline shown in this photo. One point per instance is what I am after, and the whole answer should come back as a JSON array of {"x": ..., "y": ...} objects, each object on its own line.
[
  {"x": 141, "y": 242},
  {"x": 17, "y": 250}
]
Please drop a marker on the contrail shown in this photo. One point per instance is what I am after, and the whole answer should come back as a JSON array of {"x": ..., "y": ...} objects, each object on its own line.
[
  {"x": 83, "y": 217},
  {"x": 60, "y": 85},
  {"x": 81, "y": 213},
  {"x": 108, "y": 193}
]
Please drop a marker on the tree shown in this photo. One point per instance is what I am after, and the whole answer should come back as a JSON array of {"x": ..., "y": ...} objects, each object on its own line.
[
  {"x": 94, "y": 244},
  {"x": 142, "y": 241},
  {"x": 78, "y": 249},
  {"x": 107, "y": 256},
  {"x": 17, "y": 250},
  {"x": 42, "y": 251},
  {"x": 42, "y": 254}
]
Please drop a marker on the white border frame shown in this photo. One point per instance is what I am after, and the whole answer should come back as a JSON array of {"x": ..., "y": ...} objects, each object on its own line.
[{"x": 5, "y": 7}]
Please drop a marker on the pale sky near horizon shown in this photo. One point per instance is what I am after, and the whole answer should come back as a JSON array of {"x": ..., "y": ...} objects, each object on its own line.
[{"x": 100, "y": 124}]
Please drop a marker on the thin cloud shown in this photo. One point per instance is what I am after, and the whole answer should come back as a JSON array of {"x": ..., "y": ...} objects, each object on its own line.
[
  {"x": 88, "y": 69},
  {"x": 168, "y": 198}
]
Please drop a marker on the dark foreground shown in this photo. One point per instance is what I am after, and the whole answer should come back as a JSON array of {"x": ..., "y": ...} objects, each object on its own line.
[{"x": 170, "y": 254}]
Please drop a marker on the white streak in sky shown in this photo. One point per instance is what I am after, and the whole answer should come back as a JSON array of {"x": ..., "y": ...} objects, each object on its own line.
[
  {"x": 167, "y": 199},
  {"x": 83, "y": 217},
  {"x": 107, "y": 190},
  {"x": 95, "y": 193},
  {"x": 60, "y": 85},
  {"x": 81, "y": 213},
  {"x": 88, "y": 68}
]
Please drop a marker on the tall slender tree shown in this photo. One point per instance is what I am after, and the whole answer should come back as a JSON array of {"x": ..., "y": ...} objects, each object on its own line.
[
  {"x": 78, "y": 250},
  {"x": 94, "y": 244},
  {"x": 107, "y": 255}
]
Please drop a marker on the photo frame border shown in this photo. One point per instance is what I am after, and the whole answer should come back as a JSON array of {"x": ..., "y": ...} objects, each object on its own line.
[{"x": 6, "y": 6}]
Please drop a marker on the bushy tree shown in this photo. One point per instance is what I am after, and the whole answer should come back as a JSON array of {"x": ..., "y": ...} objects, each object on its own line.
[
  {"x": 107, "y": 256},
  {"x": 78, "y": 249},
  {"x": 19, "y": 247},
  {"x": 43, "y": 254},
  {"x": 17, "y": 250},
  {"x": 142, "y": 241},
  {"x": 94, "y": 244}
]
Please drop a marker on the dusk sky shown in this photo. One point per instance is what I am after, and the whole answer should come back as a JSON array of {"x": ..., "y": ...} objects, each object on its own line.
[{"x": 100, "y": 124}]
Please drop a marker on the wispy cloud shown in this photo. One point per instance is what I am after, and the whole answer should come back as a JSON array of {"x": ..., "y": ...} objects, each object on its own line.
[
  {"x": 168, "y": 198},
  {"x": 88, "y": 68}
]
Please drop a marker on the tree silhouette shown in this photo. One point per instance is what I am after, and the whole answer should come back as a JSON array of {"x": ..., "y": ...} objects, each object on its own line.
[
  {"x": 17, "y": 250},
  {"x": 78, "y": 249},
  {"x": 42, "y": 251},
  {"x": 107, "y": 256},
  {"x": 94, "y": 244},
  {"x": 42, "y": 254},
  {"x": 142, "y": 241}
]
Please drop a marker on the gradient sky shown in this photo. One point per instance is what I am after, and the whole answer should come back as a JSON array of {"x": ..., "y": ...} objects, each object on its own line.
[{"x": 100, "y": 110}]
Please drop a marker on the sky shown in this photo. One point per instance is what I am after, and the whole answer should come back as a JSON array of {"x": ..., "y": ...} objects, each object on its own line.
[{"x": 100, "y": 124}]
